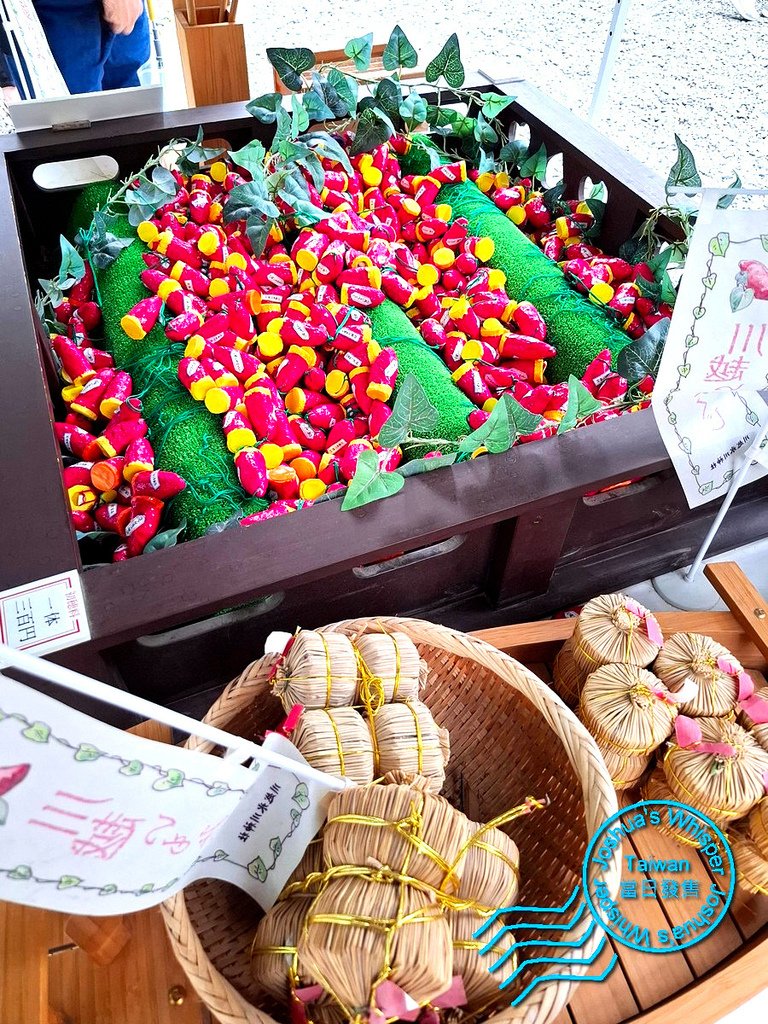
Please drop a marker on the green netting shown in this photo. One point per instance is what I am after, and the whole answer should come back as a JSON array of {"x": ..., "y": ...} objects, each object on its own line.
[
  {"x": 392, "y": 327},
  {"x": 576, "y": 327},
  {"x": 186, "y": 437}
]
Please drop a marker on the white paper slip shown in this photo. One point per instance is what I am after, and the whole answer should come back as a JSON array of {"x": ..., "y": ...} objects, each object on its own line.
[
  {"x": 44, "y": 616},
  {"x": 706, "y": 400},
  {"x": 98, "y": 821}
]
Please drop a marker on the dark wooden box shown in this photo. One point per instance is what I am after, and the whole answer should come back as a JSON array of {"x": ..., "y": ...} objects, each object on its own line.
[{"x": 500, "y": 539}]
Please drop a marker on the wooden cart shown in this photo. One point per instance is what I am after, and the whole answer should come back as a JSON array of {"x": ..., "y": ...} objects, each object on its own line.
[
  {"x": 496, "y": 540},
  {"x": 698, "y": 986}
]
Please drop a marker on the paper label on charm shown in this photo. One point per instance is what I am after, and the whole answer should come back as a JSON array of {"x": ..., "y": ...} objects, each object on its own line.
[
  {"x": 715, "y": 362},
  {"x": 44, "y": 616},
  {"x": 98, "y": 821}
]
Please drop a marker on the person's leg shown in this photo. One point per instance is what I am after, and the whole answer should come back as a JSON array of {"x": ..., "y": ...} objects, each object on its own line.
[
  {"x": 79, "y": 40},
  {"x": 126, "y": 56}
]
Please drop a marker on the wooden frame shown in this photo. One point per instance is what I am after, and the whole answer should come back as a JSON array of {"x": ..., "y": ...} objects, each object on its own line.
[{"x": 500, "y": 507}]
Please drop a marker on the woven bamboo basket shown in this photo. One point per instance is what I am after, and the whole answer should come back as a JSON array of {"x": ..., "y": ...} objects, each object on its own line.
[{"x": 511, "y": 736}]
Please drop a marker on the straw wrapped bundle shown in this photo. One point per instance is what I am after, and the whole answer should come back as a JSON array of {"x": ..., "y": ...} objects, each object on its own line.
[
  {"x": 758, "y": 826},
  {"x": 275, "y": 962},
  {"x": 656, "y": 787},
  {"x": 614, "y": 629},
  {"x": 726, "y": 784},
  {"x": 360, "y": 931},
  {"x": 312, "y": 863},
  {"x": 319, "y": 671},
  {"x": 406, "y": 738},
  {"x": 567, "y": 677},
  {"x": 394, "y": 662},
  {"x": 758, "y": 729},
  {"x": 490, "y": 868},
  {"x": 403, "y": 828},
  {"x": 480, "y": 985},
  {"x": 751, "y": 864},
  {"x": 628, "y": 709},
  {"x": 337, "y": 741},
  {"x": 692, "y": 658}
]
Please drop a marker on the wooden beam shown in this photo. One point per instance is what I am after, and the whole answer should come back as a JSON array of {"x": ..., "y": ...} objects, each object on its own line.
[{"x": 748, "y": 605}]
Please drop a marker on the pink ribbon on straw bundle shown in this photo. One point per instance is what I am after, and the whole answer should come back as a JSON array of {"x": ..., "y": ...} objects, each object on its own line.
[
  {"x": 752, "y": 705},
  {"x": 652, "y": 627},
  {"x": 688, "y": 735},
  {"x": 392, "y": 1001}
]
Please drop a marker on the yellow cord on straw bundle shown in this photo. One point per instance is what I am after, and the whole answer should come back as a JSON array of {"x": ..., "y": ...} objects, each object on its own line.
[
  {"x": 710, "y": 809},
  {"x": 386, "y": 632},
  {"x": 530, "y": 804},
  {"x": 337, "y": 737}
]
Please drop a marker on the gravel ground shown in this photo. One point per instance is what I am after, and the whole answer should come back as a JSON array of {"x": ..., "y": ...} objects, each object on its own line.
[{"x": 686, "y": 66}]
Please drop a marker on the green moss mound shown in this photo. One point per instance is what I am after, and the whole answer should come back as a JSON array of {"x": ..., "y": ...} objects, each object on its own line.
[{"x": 576, "y": 327}]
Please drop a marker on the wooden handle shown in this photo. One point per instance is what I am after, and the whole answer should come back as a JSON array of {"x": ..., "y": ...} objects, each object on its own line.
[{"x": 744, "y": 600}]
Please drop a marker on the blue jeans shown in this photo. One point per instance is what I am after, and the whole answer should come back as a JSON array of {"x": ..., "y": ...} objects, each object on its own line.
[{"x": 89, "y": 54}]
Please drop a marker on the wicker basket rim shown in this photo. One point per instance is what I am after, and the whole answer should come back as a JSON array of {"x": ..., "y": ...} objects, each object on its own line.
[{"x": 600, "y": 803}]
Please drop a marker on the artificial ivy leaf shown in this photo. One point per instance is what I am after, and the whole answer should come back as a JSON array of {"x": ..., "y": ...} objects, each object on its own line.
[
  {"x": 109, "y": 250},
  {"x": 164, "y": 180},
  {"x": 484, "y": 132},
  {"x": 370, "y": 483},
  {"x": 398, "y": 53},
  {"x": 642, "y": 357},
  {"x": 264, "y": 108},
  {"x": 388, "y": 97},
  {"x": 659, "y": 262},
  {"x": 257, "y": 869},
  {"x": 327, "y": 93},
  {"x": 300, "y": 114},
  {"x": 413, "y": 110},
  {"x": 418, "y": 466},
  {"x": 412, "y": 414},
  {"x": 282, "y": 127},
  {"x": 345, "y": 88},
  {"x": 448, "y": 64},
  {"x": 372, "y": 131},
  {"x": 245, "y": 200},
  {"x": 359, "y": 50},
  {"x": 597, "y": 208},
  {"x": 166, "y": 538},
  {"x": 328, "y": 148},
  {"x": 513, "y": 152},
  {"x": 193, "y": 155},
  {"x": 633, "y": 250},
  {"x": 493, "y": 104},
  {"x": 684, "y": 170},
  {"x": 250, "y": 157},
  {"x": 581, "y": 403},
  {"x": 295, "y": 193},
  {"x": 72, "y": 267},
  {"x": 446, "y": 121},
  {"x": 535, "y": 164},
  {"x": 316, "y": 109},
  {"x": 257, "y": 228},
  {"x": 290, "y": 63},
  {"x": 553, "y": 198},
  {"x": 508, "y": 421}
]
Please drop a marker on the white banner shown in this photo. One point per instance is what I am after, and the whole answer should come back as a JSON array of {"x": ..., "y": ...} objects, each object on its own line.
[
  {"x": 715, "y": 360},
  {"x": 98, "y": 821}
]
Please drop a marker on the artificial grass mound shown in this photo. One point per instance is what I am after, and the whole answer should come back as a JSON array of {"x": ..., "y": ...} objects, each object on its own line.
[
  {"x": 577, "y": 328},
  {"x": 187, "y": 439},
  {"x": 391, "y": 327}
]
